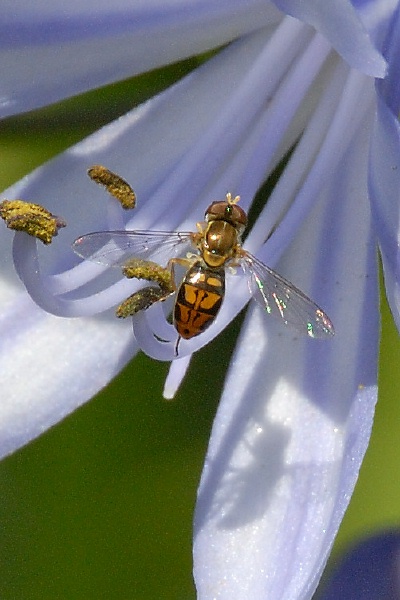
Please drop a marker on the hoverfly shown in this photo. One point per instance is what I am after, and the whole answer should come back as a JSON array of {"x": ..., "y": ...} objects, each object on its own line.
[{"x": 215, "y": 246}]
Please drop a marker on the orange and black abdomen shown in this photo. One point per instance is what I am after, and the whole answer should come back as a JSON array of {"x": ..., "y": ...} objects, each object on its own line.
[{"x": 198, "y": 299}]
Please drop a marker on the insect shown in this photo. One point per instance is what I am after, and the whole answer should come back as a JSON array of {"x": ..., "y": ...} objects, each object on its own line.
[{"x": 216, "y": 245}]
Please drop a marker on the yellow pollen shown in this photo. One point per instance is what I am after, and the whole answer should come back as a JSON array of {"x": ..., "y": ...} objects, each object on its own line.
[
  {"x": 33, "y": 219},
  {"x": 114, "y": 184}
]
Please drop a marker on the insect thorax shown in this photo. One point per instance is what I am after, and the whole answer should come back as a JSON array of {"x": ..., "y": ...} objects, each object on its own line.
[{"x": 219, "y": 243}]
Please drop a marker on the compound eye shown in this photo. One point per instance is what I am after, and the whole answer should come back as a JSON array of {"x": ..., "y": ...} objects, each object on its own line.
[
  {"x": 236, "y": 214},
  {"x": 217, "y": 210},
  {"x": 227, "y": 211}
]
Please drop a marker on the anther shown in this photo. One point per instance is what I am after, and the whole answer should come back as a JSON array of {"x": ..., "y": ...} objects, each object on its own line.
[{"x": 33, "y": 219}]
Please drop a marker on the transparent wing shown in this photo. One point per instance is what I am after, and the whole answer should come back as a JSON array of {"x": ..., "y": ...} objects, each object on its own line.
[
  {"x": 280, "y": 298},
  {"x": 114, "y": 248}
]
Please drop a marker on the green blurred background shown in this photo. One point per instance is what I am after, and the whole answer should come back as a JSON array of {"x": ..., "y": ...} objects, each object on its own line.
[{"x": 101, "y": 506}]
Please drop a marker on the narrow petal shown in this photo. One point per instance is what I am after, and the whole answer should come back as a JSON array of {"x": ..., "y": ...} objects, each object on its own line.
[
  {"x": 339, "y": 22},
  {"x": 50, "y": 51},
  {"x": 384, "y": 181},
  {"x": 376, "y": 17},
  {"x": 49, "y": 366},
  {"x": 384, "y": 175},
  {"x": 296, "y": 415}
]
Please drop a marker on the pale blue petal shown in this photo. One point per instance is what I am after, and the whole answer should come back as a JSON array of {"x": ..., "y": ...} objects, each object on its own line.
[
  {"x": 339, "y": 22},
  {"x": 384, "y": 177},
  {"x": 50, "y": 366},
  {"x": 52, "y": 50},
  {"x": 295, "y": 417},
  {"x": 376, "y": 16},
  {"x": 389, "y": 88},
  {"x": 385, "y": 199}
]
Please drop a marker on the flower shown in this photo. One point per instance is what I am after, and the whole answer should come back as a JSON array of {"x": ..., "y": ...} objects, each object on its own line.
[
  {"x": 368, "y": 570},
  {"x": 296, "y": 414}
]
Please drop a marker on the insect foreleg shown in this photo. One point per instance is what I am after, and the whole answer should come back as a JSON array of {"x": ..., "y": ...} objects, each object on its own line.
[{"x": 183, "y": 262}]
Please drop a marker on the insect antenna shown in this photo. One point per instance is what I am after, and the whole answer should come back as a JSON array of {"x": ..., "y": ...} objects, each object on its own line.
[{"x": 231, "y": 200}]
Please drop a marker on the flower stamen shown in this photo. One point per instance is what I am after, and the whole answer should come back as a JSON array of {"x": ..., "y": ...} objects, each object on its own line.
[
  {"x": 33, "y": 219},
  {"x": 144, "y": 298},
  {"x": 114, "y": 184}
]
